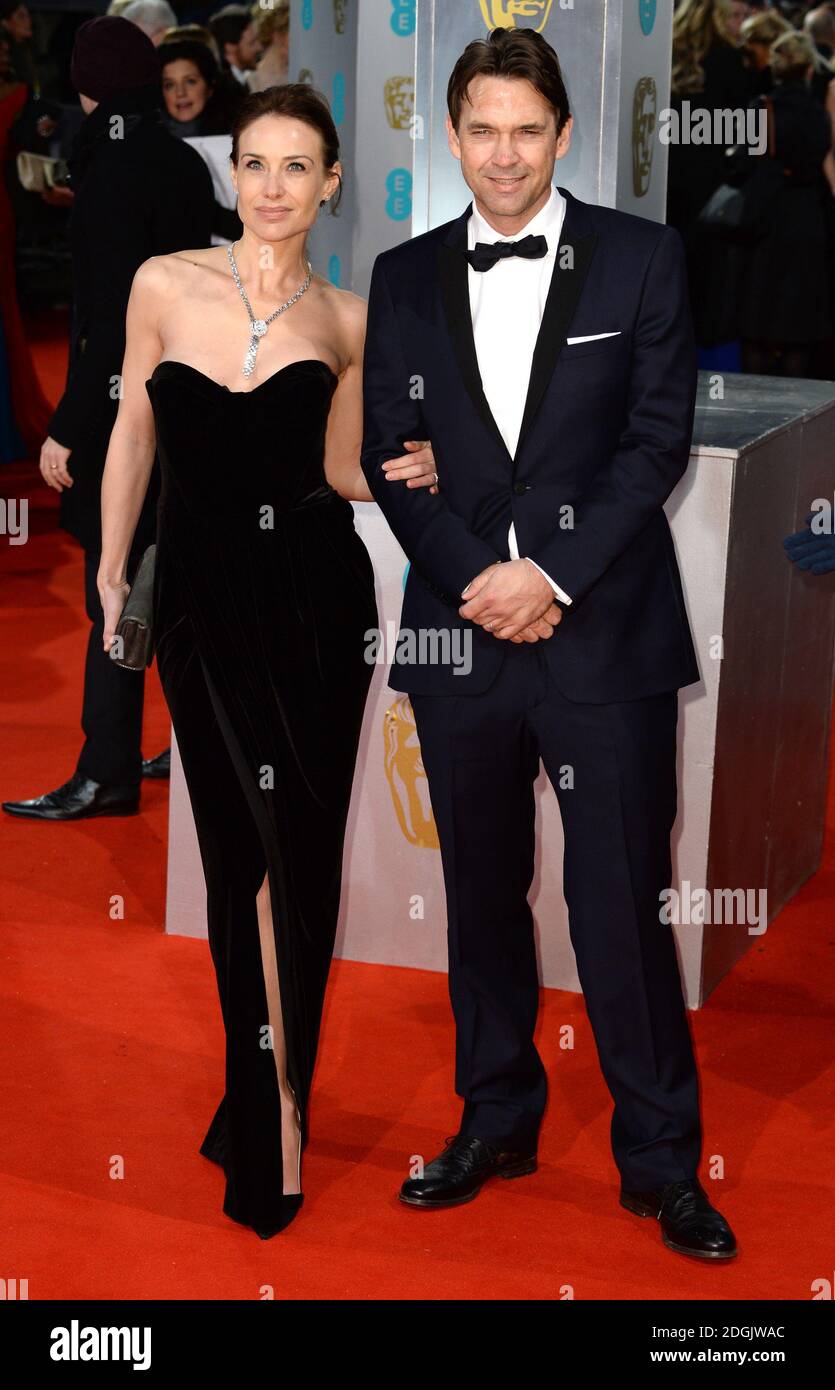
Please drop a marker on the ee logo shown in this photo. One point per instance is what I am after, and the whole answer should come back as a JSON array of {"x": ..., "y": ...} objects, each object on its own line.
[
  {"x": 399, "y": 191},
  {"x": 403, "y": 17}
]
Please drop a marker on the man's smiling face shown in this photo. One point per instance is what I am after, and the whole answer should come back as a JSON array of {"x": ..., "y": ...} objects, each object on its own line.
[{"x": 507, "y": 143}]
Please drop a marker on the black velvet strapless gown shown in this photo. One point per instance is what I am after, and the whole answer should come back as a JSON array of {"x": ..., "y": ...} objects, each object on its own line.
[{"x": 263, "y": 596}]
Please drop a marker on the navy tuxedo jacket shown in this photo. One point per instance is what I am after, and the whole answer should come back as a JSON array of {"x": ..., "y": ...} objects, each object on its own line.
[{"x": 605, "y": 437}]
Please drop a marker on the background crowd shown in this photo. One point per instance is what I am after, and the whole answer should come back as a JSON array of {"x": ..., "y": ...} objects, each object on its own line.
[
  {"x": 764, "y": 305},
  {"x": 79, "y": 213},
  {"x": 208, "y": 59}
]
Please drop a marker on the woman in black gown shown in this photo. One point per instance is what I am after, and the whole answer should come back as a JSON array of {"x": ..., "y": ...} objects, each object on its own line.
[{"x": 264, "y": 595}]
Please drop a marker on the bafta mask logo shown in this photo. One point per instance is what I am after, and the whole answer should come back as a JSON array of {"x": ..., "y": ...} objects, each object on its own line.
[
  {"x": 399, "y": 97},
  {"x": 643, "y": 132},
  {"x": 340, "y": 15},
  {"x": 305, "y": 75},
  {"x": 406, "y": 777},
  {"x": 503, "y": 14}
]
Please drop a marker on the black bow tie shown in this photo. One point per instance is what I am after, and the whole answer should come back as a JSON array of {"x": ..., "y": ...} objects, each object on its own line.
[{"x": 485, "y": 253}]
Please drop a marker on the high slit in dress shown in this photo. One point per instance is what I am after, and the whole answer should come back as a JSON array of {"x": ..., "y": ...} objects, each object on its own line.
[{"x": 263, "y": 600}]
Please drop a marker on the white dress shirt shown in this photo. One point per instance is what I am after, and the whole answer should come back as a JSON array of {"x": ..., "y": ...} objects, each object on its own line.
[{"x": 506, "y": 305}]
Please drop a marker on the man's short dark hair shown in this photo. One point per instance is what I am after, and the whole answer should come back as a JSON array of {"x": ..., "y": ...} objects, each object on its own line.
[
  {"x": 521, "y": 53},
  {"x": 228, "y": 24}
]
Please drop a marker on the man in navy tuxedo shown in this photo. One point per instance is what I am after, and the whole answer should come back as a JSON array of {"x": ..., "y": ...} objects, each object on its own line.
[{"x": 545, "y": 346}]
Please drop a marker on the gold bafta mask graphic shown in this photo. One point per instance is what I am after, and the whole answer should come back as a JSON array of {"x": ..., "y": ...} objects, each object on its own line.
[
  {"x": 643, "y": 132},
  {"x": 340, "y": 15},
  {"x": 305, "y": 75},
  {"x": 503, "y": 14},
  {"x": 399, "y": 97},
  {"x": 406, "y": 777}
]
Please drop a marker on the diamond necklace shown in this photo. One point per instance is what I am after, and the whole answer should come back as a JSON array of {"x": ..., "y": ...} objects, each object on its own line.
[{"x": 260, "y": 326}]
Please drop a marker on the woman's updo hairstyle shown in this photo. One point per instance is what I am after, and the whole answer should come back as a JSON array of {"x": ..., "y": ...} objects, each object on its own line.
[{"x": 292, "y": 99}]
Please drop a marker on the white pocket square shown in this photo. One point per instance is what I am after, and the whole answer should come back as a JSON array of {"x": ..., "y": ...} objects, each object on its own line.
[{"x": 592, "y": 337}]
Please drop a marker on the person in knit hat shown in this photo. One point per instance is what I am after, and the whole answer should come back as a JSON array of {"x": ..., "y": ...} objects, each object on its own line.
[
  {"x": 111, "y": 55},
  {"x": 139, "y": 192}
]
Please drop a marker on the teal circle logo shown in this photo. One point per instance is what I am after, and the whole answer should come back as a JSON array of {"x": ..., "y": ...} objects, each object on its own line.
[
  {"x": 334, "y": 269},
  {"x": 307, "y": 14},
  {"x": 646, "y": 14}
]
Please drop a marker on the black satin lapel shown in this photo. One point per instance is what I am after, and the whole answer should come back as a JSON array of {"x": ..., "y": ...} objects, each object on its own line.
[
  {"x": 563, "y": 295},
  {"x": 455, "y": 295}
]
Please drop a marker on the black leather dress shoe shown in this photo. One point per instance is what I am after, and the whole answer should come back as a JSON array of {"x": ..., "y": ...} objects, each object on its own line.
[
  {"x": 77, "y": 799},
  {"x": 160, "y": 766},
  {"x": 689, "y": 1224},
  {"x": 459, "y": 1173}
]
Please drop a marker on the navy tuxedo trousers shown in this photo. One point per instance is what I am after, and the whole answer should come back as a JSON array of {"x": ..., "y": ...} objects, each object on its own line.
[{"x": 613, "y": 767}]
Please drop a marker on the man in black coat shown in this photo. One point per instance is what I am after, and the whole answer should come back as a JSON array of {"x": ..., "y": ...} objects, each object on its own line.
[
  {"x": 545, "y": 345},
  {"x": 139, "y": 192}
]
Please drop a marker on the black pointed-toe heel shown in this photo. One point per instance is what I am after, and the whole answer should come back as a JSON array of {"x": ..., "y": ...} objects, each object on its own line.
[{"x": 293, "y": 1201}]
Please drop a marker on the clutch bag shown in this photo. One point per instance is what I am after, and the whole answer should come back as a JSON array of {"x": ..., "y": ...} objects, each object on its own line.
[
  {"x": 135, "y": 625},
  {"x": 40, "y": 171}
]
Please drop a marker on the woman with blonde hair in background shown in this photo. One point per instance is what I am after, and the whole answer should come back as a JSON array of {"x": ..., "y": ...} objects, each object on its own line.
[
  {"x": 757, "y": 34},
  {"x": 703, "y": 40},
  {"x": 273, "y": 31}
]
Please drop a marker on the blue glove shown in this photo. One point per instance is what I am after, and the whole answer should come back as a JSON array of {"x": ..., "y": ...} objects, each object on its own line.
[{"x": 815, "y": 553}]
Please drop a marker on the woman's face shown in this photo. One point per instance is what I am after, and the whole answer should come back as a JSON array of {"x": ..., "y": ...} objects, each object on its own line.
[
  {"x": 19, "y": 24},
  {"x": 736, "y": 12},
  {"x": 759, "y": 53},
  {"x": 184, "y": 89},
  {"x": 280, "y": 177}
]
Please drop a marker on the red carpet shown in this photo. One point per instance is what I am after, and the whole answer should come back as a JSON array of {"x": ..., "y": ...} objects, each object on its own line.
[{"x": 113, "y": 1064}]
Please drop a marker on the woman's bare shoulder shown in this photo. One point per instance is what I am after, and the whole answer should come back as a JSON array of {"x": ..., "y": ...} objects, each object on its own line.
[
  {"x": 166, "y": 274},
  {"x": 349, "y": 308},
  {"x": 347, "y": 312}
]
